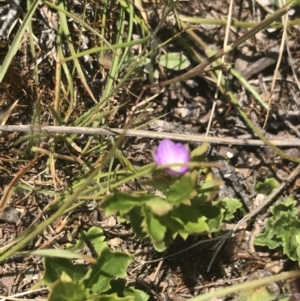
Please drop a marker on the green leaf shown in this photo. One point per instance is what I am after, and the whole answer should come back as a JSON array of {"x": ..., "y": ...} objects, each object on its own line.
[
  {"x": 199, "y": 153},
  {"x": 161, "y": 246},
  {"x": 208, "y": 189},
  {"x": 119, "y": 286},
  {"x": 288, "y": 206},
  {"x": 136, "y": 218},
  {"x": 230, "y": 206},
  {"x": 198, "y": 227},
  {"x": 267, "y": 186},
  {"x": 79, "y": 245},
  {"x": 192, "y": 220},
  {"x": 54, "y": 268},
  {"x": 153, "y": 226},
  {"x": 112, "y": 297},
  {"x": 268, "y": 239},
  {"x": 136, "y": 294},
  {"x": 174, "y": 61},
  {"x": 159, "y": 206},
  {"x": 123, "y": 203},
  {"x": 181, "y": 190},
  {"x": 214, "y": 215},
  {"x": 291, "y": 242},
  {"x": 67, "y": 291},
  {"x": 109, "y": 265},
  {"x": 172, "y": 222},
  {"x": 282, "y": 228},
  {"x": 94, "y": 236}
]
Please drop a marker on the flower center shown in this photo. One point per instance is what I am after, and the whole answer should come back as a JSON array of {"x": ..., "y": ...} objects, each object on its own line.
[{"x": 178, "y": 167}]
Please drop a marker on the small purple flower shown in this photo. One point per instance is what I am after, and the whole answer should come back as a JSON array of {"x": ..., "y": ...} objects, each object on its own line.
[{"x": 169, "y": 152}]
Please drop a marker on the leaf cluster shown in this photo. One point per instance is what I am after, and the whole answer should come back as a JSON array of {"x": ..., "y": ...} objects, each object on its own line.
[
  {"x": 282, "y": 229},
  {"x": 182, "y": 205},
  {"x": 103, "y": 281}
]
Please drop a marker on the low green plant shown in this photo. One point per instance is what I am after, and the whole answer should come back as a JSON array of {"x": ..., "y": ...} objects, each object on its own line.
[
  {"x": 282, "y": 229},
  {"x": 181, "y": 205},
  {"x": 173, "y": 61},
  {"x": 103, "y": 280}
]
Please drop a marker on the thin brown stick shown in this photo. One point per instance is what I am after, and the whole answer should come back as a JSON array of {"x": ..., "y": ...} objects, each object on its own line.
[{"x": 289, "y": 142}]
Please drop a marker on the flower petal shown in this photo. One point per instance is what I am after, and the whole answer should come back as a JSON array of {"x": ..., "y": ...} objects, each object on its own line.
[
  {"x": 164, "y": 152},
  {"x": 169, "y": 152}
]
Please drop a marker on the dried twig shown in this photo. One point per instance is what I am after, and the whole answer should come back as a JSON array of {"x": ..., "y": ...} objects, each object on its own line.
[{"x": 289, "y": 142}]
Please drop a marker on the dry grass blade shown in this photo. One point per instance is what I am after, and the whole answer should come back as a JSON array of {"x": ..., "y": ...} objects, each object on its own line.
[
  {"x": 8, "y": 191},
  {"x": 229, "y": 18},
  {"x": 284, "y": 40},
  {"x": 5, "y": 114}
]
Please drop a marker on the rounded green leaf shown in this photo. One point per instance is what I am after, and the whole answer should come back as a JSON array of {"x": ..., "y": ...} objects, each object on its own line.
[
  {"x": 153, "y": 227},
  {"x": 174, "y": 61},
  {"x": 181, "y": 191},
  {"x": 267, "y": 186}
]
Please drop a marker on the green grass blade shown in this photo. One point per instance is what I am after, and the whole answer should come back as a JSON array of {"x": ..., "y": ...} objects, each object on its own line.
[{"x": 17, "y": 40}]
